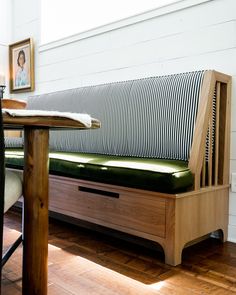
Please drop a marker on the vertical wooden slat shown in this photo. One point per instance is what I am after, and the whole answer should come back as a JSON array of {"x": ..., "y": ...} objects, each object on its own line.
[
  {"x": 224, "y": 127},
  {"x": 217, "y": 132},
  {"x": 204, "y": 173},
  {"x": 210, "y": 147},
  {"x": 223, "y": 142},
  {"x": 227, "y": 133}
]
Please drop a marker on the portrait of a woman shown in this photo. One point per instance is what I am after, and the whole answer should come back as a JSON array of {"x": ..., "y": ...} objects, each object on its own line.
[
  {"x": 21, "y": 78},
  {"x": 21, "y": 66}
]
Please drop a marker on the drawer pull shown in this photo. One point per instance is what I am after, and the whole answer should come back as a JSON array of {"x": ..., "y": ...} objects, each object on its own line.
[{"x": 98, "y": 192}]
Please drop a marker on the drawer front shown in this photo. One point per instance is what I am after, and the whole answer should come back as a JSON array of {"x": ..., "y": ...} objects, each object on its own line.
[{"x": 133, "y": 211}]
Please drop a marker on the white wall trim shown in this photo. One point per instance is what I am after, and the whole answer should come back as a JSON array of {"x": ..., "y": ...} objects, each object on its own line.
[
  {"x": 231, "y": 240},
  {"x": 170, "y": 8}
]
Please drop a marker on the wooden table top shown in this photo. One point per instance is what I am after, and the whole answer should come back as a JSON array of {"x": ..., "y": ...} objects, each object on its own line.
[{"x": 51, "y": 122}]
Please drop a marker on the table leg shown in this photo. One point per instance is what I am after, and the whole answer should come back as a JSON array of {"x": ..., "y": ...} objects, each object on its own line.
[{"x": 35, "y": 249}]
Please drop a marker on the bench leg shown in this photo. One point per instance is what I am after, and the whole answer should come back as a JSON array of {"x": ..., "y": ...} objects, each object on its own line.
[
  {"x": 225, "y": 233},
  {"x": 172, "y": 245},
  {"x": 173, "y": 257}
]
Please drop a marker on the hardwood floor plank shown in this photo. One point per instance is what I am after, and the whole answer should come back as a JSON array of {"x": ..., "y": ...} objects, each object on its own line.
[
  {"x": 85, "y": 262},
  {"x": 55, "y": 290},
  {"x": 193, "y": 283},
  {"x": 9, "y": 288}
]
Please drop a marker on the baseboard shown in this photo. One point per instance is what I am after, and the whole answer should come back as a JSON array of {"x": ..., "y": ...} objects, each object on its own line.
[
  {"x": 232, "y": 233},
  {"x": 231, "y": 240}
]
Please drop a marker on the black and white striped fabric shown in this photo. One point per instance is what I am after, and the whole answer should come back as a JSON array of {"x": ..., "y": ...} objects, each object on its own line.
[
  {"x": 151, "y": 117},
  {"x": 14, "y": 142}
]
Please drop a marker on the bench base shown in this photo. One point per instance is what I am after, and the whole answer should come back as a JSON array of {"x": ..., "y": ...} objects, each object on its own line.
[{"x": 173, "y": 221}]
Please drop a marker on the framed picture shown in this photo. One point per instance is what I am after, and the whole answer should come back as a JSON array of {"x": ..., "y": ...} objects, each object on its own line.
[{"x": 21, "y": 66}]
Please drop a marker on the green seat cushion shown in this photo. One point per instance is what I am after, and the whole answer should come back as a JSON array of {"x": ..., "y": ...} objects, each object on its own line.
[{"x": 169, "y": 176}]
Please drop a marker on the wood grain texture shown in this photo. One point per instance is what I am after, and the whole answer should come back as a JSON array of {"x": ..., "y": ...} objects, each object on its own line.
[
  {"x": 11, "y": 133},
  {"x": 203, "y": 183},
  {"x": 226, "y": 155},
  {"x": 35, "y": 250},
  {"x": 10, "y": 103},
  {"x": 210, "y": 146},
  {"x": 133, "y": 210},
  {"x": 171, "y": 220},
  {"x": 41, "y": 121},
  {"x": 222, "y": 83},
  {"x": 201, "y": 214},
  {"x": 217, "y": 132},
  {"x": 83, "y": 261},
  {"x": 201, "y": 126}
]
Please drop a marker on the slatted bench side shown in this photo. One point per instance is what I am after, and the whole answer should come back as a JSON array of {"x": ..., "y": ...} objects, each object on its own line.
[{"x": 209, "y": 156}]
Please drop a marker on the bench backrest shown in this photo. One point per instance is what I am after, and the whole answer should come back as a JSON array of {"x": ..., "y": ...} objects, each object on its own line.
[{"x": 151, "y": 117}]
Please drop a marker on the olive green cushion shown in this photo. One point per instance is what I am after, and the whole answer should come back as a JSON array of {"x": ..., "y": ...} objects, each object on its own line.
[{"x": 160, "y": 175}]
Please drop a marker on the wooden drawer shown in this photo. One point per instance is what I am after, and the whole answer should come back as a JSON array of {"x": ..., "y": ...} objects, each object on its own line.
[{"x": 107, "y": 205}]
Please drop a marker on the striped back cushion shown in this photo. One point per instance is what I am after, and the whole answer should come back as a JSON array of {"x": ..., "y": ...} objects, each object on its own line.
[{"x": 151, "y": 117}]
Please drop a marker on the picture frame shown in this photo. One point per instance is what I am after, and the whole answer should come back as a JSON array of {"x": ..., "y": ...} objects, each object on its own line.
[{"x": 21, "y": 66}]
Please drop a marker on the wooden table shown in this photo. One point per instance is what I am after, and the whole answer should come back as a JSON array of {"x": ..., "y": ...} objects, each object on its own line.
[{"x": 35, "y": 244}]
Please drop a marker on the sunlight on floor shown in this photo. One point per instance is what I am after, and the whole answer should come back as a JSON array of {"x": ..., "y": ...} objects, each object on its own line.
[
  {"x": 10, "y": 235},
  {"x": 53, "y": 248},
  {"x": 158, "y": 286},
  {"x": 84, "y": 268}
]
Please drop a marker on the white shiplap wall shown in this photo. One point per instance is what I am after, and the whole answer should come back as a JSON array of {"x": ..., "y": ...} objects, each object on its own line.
[
  {"x": 3, "y": 58},
  {"x": 198, "y": 37},
  {"x": 5, "y": 37}
]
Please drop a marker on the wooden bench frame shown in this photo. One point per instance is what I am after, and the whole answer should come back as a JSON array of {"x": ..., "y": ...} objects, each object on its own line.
[{"x": 172, "y": 220}]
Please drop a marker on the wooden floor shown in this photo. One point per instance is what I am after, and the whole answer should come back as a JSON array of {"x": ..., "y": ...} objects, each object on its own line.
[{"x": 83, "y": 262}]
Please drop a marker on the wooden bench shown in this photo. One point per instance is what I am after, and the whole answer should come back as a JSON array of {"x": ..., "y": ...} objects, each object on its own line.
[{"x": 173, "y": 219}]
